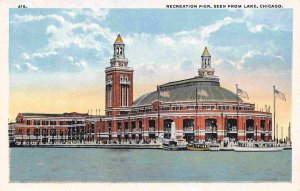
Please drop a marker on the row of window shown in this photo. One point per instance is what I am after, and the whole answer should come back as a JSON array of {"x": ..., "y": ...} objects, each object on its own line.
[
  {"x": 44, "y": 122},
  {"x": 189, "y": 123},
  {"x": 164, "y": 108},
  {"x": 45, "y": 132}
]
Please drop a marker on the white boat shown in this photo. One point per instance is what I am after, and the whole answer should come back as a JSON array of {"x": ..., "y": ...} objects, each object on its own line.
[
  {"x": 245, "y": 146},
  {"x": 213, "y": 146},
  {"x": 227, "y": 145},
  {"x": 288, "y": 147},
  {"x": 174, "y": 144}
]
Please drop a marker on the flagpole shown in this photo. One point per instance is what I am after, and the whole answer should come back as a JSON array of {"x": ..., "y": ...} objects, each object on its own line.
[
  {"x": 237, "y": 112},
  {"x": 274, "y": 113},
  {"x": 158, "y": 114},
  {"x": 196, "y": 114}
]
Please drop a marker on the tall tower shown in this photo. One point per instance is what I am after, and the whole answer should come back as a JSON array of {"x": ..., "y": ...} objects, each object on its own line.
[
  {"x": 206, "y": 70},
  {"x": 119, "y": 82}
]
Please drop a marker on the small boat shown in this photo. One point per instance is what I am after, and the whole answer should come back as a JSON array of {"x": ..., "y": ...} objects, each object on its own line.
[
  {"x": 197, "y": 146},
  {"x": 174, "y": 144},
  {"x": 287, "y": 147},
  {"x": 245, "y": 146},
  {"x": 213, "y": 146},
  {"x": 227, "y": 144}
]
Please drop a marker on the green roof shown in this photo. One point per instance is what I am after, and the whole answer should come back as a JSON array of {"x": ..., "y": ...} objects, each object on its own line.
[{"x": 185, "y": 91}]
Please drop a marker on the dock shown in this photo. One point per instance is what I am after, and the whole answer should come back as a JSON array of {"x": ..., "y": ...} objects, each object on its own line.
[{"x": 101, "y": 146}]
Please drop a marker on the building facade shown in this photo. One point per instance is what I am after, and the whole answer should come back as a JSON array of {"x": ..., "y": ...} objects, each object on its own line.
[
  {"x": 39, "y": 128},
  {"x": 200, "y": 108},
  {"x": 11, "y": 132}
]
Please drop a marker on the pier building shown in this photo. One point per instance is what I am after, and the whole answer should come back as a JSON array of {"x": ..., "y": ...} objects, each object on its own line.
[{"x": 199, "y": 106}]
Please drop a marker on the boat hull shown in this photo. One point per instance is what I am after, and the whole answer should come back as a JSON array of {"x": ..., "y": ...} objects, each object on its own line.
[
  {"x": 259, "y": 149},
  {"x": 172, "y": 148},
  {"x": 197, "y": 149}
]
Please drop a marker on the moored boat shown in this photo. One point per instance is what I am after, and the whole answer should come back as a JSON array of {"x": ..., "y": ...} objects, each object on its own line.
[
  {"x": 197, "y": 146},
  {"x": 245, "y": 146},
  {"x": 213, "y": 146},
  {"x": 174, "y": 144}
]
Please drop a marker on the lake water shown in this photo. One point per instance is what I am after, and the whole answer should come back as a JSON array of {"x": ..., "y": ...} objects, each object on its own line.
[{"x": 105, "y": 165}]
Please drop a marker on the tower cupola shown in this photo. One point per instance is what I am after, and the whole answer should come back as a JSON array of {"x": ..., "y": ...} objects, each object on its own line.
[
  {"x": 119, "y": 48},
  {"x": 206, "y": 70}
]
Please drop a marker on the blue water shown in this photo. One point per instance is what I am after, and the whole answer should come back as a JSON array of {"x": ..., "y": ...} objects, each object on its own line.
[{"x": 105, "y": 165}]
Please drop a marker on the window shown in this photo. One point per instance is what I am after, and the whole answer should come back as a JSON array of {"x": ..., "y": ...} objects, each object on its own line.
[
  {"x": 28, "y": 122},
  {"x": 37, "y": 122},
  {"x": 28, "y": 131},
  {"x": 52, "y": 122},
  {"x": 45, "y": 122}
]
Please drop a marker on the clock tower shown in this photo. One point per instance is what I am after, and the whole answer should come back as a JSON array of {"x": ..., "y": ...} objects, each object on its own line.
[{"x": 119, "y": 82}]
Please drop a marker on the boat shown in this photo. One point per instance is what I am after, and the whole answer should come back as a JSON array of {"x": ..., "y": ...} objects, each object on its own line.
[
  {"x": 227, "y": 144},
  {"x": 174, "y": 144},
  {"x": 213, "y": 146},
  {"x": 287, "y": 147},
  {"x": 245, "y": 146},
  {"x": 197, "y": 146}
]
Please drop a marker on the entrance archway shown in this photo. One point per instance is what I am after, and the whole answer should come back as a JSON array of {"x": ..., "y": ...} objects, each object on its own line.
[{"x": 167, "y": 128}]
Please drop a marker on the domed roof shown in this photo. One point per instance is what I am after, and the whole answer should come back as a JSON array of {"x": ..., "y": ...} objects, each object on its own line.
[{"x": 208, "y": 90}]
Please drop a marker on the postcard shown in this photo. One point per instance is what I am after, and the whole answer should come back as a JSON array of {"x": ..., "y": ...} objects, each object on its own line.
[{"x": 147, "y": 95}]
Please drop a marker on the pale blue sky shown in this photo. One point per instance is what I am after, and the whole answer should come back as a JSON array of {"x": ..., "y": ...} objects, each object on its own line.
[{"x": 68, "y": 49}]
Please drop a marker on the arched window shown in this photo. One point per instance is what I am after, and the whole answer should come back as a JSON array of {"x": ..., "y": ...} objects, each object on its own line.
[
  {"x": 188, "y": 124},
  {"x": 210, "y": 124},
  {"x": 249, "y": 125},
  {"x": 231, "y": 125}
]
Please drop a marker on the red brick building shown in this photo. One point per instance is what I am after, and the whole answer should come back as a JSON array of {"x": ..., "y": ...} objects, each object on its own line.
[
  {"x": 33, "y": 128},
  {"x": 200, "y": 108}
]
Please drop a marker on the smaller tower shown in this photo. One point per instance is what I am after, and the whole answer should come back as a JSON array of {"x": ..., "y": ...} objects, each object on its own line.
[
  {"x": 206, "y": 69},
  {"x": 119, "y": 48}
]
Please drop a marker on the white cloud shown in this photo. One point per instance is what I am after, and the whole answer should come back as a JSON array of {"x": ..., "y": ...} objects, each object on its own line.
[
  {"x": 207, "y": 30},
  {"x": 165, "y": 40},
  {"x": 51, "y": 29},
  {"x": 70, "y": 58},
  {"x": 31, "y": 18},
  {"x": 25, "y": 55},
  {"x": 256, "y": 28},
  {"x": 43, "y": 54},
  {"x": 81, "y": 63},
  {"x": 65, "y": 35},
  {"x": 248, "y": 55},
  {"x": 31, "y": 67},
  {"x": 18, "y": 67},
  {"x": 97, "y": 14}
]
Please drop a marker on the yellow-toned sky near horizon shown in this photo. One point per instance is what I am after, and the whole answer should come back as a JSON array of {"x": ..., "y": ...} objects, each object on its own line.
[{"x": 50, "y": 99}]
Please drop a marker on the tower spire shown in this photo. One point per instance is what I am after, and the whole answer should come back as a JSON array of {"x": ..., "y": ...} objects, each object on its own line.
[
  {"x": 119, "y": 40},
  {"x": 206, "y": 69},
  {"x": 205, "y": 52}
]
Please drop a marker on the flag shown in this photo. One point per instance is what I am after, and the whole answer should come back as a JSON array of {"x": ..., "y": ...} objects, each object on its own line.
[
  {"x": 279, "y": 95},
  {"x": 202, "y": 93},
  {"x": 242, "y": 93},
  {"x": 164, "y": 94}
]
